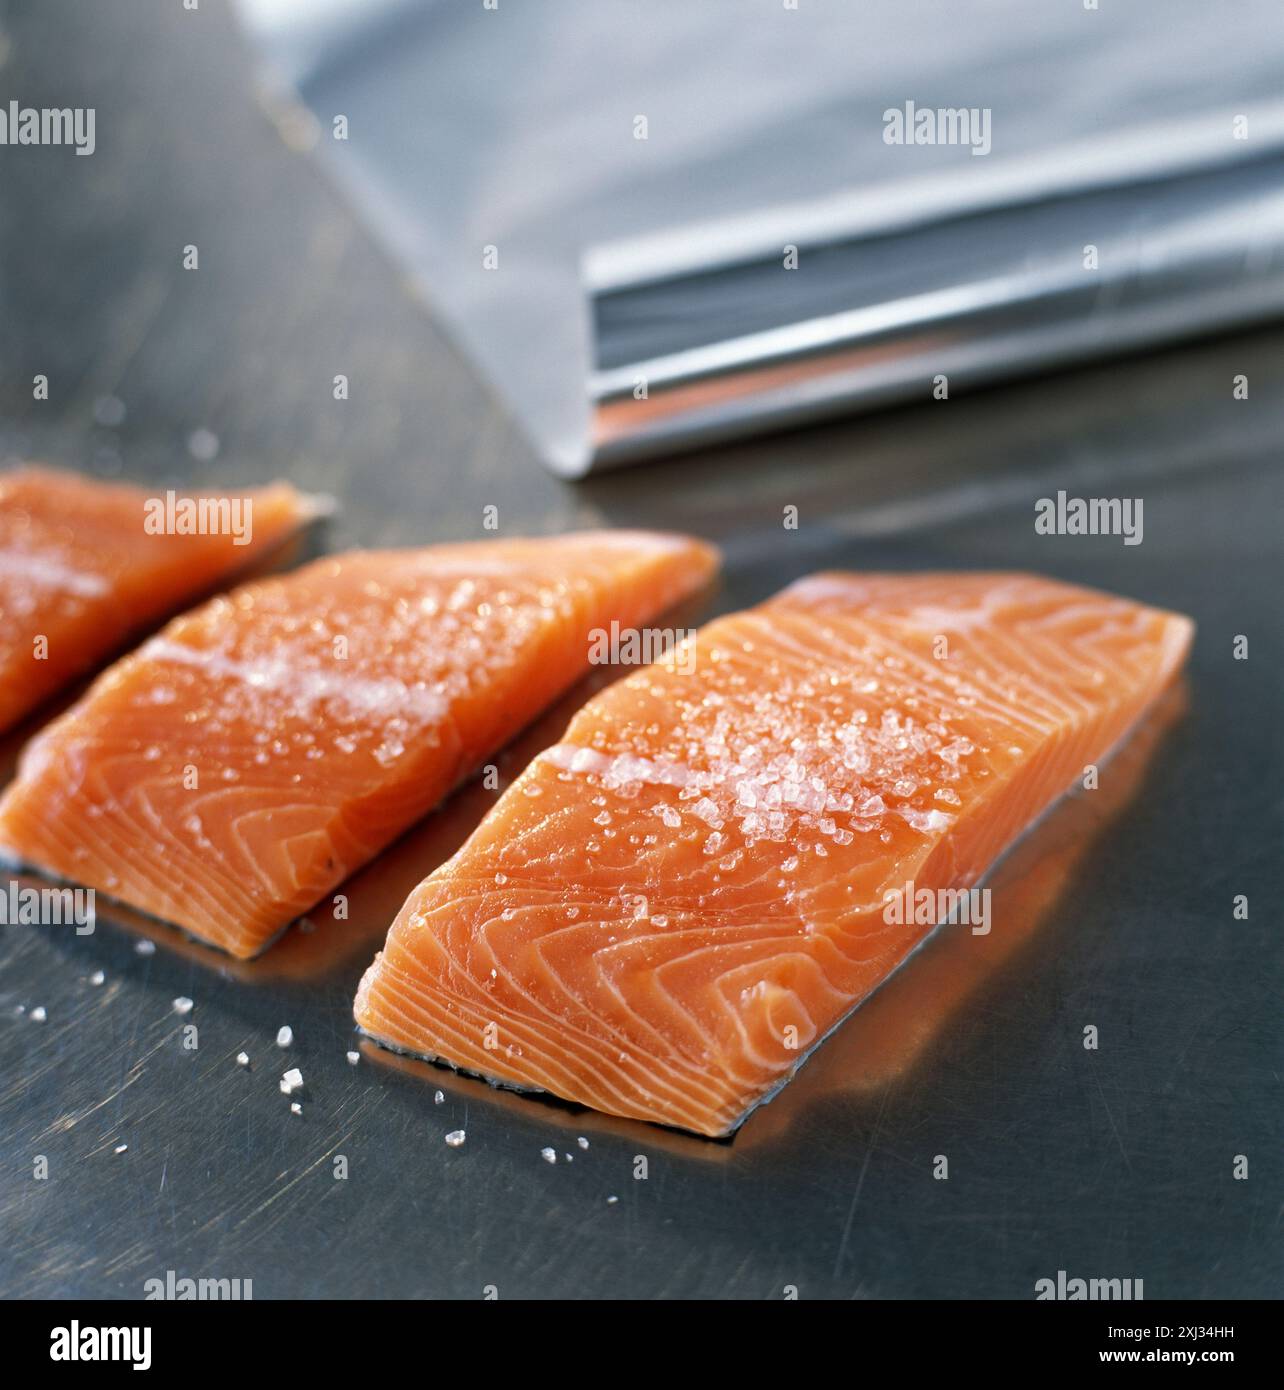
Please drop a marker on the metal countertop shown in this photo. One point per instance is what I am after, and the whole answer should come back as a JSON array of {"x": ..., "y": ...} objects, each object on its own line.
[{"x": 1116, "y": 912}]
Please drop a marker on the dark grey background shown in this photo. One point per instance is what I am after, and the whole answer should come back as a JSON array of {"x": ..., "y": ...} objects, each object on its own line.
[{"x": 1117, "y": 912}]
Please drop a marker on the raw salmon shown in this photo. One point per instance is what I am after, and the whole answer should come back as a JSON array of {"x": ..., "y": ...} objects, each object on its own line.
[
  {"x": 246, "y": 759},
  {"x": 671, "y": 906},
  {"x": 84, "y": 565}
]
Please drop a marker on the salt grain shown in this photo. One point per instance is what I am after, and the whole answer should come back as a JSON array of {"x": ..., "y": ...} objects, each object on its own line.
[
  {"x": 296, "y": 1108},
  {"x": 353, "y": 1058},
  {"x": 145, "y": 947},
  {"x": 455, "y": 1138},
  {"x": 439, "y": 1097},
  {"x": 582, "y": 1142},
  {"x": 97, "y": 978},
  {"x": 183, "y": 1005},
  {"x": 38, "y": 1014},
  {"x": 120, "y": 1148},
  {"x": 291, "y": 1081},
  {"x": 284, "y": 1036},
  {"x": 242, "y": 1059},
  {"x": 548, "y": 1155}
]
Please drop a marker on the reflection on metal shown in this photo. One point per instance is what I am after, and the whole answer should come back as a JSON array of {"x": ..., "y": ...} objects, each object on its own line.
[
  {"x": 896, "y": 1028},
  {"x": 1003, "y": 275},
  {"x": 626, "y": 260}
]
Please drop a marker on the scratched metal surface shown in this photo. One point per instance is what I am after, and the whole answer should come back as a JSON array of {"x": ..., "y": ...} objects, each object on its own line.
[{"x": 1117, "y": 912}]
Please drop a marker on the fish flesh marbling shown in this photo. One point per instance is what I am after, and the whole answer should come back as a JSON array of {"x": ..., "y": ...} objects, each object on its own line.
[
  {"x": 85, "y": 565},
  {"x": 670, "y": 907},
  {"x": 246, "y": 759}
]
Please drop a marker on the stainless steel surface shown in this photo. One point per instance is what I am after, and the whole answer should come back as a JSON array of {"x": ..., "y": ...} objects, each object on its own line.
[
  {"x": 1015, "y": 273},
  {"x": 1109, "y": 1163},
  {"x": 1117, "y": 913},
  {"x": 556, "y": 178}
]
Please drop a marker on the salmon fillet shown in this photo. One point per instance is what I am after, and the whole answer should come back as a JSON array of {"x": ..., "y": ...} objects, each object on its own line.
[
  {"x": 80, "y": 572},
  {"x": 669, "y": 908},
  {"x": 255, "y": 752}
]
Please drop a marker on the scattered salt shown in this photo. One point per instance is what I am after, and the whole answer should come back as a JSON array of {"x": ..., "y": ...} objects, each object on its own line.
[
  {"x": 291, "y": 1081},
  {"x": 926, "y": 822}
]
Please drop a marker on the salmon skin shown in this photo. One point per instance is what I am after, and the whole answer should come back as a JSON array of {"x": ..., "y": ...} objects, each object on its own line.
[
  {"x": 671, "y": 907},
  {"x": 244, "y": 761},
  {"x": 84, "y": 565}
]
